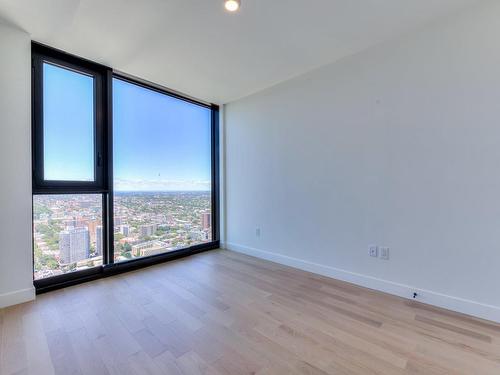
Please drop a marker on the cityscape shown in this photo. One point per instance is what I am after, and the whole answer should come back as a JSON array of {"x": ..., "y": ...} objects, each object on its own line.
[{"x": 68, "y": 232}]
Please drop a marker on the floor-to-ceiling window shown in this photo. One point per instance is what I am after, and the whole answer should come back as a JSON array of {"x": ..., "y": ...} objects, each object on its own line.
[
  {"x": 162, "y": 172},
  {"x": 124, "y": 172}
]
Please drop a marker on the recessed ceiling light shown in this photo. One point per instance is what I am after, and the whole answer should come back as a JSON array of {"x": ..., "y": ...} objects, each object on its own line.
[{"x": 232, "y": 5}]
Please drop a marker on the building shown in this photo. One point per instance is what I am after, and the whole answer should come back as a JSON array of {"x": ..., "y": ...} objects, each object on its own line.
[
  {"x": 74, "y": 245},
  {"x": 98, "y": 239},
  {"x": 148, "y": 230},
  {"x": 125, "y": 230},
  {"x": 149, "y": 248},
  {"x": 206, "y": 220},
  {"x": 92, "y": 225},
  {"x": 198, "y": 235}
]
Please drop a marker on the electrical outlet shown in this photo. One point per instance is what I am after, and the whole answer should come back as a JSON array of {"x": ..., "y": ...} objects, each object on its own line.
[
  {"x": 257, "y": 232},
  {"x": 373, "y": 251},
  {"x": 384, "y": 253}
]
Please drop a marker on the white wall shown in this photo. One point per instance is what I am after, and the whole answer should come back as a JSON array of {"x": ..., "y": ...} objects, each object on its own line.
[
  {"x": 396, "y": 146},
  {"x": 16, "y": 277}
]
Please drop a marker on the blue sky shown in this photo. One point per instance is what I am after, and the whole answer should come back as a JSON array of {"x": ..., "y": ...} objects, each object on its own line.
[
  {"x": 68, "y": 136},
  {"x": 160, "y": 143}
]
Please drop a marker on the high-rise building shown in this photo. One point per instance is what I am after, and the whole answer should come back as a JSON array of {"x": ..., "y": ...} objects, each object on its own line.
[
  {"x": 74, "y": 245},
  {"x": 206, "y": 220},
  {"x": 92, "y": 225},
  {"x": 148, "y": 230},
  {"x": 64, "y": 246},
  {"x": 98, "y": 239}
]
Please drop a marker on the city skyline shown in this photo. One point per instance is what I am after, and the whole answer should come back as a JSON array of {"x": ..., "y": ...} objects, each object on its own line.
[
  {"x": 68, "y": 228},
  {"x": 166, "y": 186}
]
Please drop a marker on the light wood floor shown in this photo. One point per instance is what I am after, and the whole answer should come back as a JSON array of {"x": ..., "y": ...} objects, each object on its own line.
[{"x": 225, "y": 313}]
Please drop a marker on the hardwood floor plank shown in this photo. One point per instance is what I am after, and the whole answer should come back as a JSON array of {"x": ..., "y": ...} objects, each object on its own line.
[
  {"x": 192, "y": 364},
  {"x": 13, "y": 355},
  {"x": 88, "y": 359},
  {"x": 166, "y": 362},
  {"x": 175, "y": 338},
  {"x": 37, "y": 349},
  {"x": 62, "y": 353},
  {"x": 453, "y": 328},
  {"x": 460, "y": 318},
  {"x": 142, "y": 364},
  {"x": 149, "y": 343}
]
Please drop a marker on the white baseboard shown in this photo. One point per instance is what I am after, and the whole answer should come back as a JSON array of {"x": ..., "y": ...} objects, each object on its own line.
[
  {"x": 457, "y": 304},
  {"x": 16, "y": 297}
]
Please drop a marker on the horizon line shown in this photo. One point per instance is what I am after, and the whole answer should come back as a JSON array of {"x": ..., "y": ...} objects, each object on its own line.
[{"x": 162, "y": 191}]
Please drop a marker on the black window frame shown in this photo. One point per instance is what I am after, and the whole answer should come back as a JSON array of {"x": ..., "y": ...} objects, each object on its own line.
[
  {"x": 40, "y": 55},
  {"x": 103, "y": 160}
]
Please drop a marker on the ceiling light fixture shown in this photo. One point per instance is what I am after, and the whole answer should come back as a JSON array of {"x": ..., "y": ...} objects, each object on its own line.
[{"x": 232, "y": 5}]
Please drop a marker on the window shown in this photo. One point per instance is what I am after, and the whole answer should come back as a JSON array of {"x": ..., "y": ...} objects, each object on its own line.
[
  {"x": 68, "y": 125},
  {"x": 162, "y": 172},
  {"x": 67, "y": 233},
  {"x": 125, "y": 173}
]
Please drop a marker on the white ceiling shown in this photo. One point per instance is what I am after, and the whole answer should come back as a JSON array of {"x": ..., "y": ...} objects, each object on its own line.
[{"x": 195, "y": 47}]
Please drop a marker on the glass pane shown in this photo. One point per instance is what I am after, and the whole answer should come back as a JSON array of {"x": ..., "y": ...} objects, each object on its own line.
[
  {"x": 67, "y": 233},
  {"x": 68, "y": 125},
  {"x": 162, "y": 172}
]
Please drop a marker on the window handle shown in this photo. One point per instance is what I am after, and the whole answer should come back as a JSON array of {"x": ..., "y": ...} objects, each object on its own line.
[{"x": 99, "y": 159}]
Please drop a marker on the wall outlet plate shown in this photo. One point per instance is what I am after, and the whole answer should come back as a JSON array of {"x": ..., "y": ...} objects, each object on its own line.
[
  {"x": 373, "y": 251},
  {"x": 257, "y": 232},
  {"x": 384, "y": 253}
]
